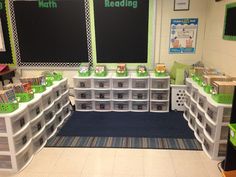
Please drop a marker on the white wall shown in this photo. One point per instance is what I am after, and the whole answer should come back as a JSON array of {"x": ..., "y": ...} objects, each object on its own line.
[
  {"x": 198, "y": 9},
  {"x": 218, "y": 53}
]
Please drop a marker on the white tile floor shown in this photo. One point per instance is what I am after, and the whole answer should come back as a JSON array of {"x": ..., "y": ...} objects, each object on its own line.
[{"x": 83, "y": 162}]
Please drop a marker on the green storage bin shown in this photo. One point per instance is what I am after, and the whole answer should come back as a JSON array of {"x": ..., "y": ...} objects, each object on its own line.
[
  {"x": 57, "y": 76},
  {"x": 24, "y": 97},
  {"x": 86, "y": 74},
  {"x": 49, "y": 81},
  {"x": 103, "y": 74},
  {"x": 223, "y": 98},
  {"x": 207, "y": 88},
  {"x": 160, "y": 74},
  {"x": 8, "y": 107},
  {"x": 38, "y": 88},
  {"x": 232, "y": 134},
  {"x": 125, "y": 74}
]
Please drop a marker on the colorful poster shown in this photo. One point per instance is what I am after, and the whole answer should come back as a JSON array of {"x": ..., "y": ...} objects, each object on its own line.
[{"x": 183, "y": 35}]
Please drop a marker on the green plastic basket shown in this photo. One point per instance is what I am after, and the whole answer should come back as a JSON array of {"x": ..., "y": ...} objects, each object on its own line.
[
  {"x": 142, "y": 74},
  {"x": 160, "y": 74},
  {"x": 86, "y": 74},
  {"x": 125, "y": 74},
  {"x": 38, "y": 88},
  {"x": 103, "y": 74},
  {"x": 223, "y": 98},
  {"x": 232, "y": 134},
  {"x": 8, "y": 107},
  {"x": 49, "y": 81},
  {"x": 207, "y": 88},
  {"x": 24, "y": 97},
  {"x": 57, "y": 76}
]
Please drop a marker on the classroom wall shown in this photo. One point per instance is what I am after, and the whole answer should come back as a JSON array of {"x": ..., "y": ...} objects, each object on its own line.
[
  {"x": 164, "y": 13},
  {"x": 218, "y": 53},
  {"x": 198, "y": 9}
]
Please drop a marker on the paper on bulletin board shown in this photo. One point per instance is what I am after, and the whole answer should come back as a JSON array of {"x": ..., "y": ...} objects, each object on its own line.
[
  {"x": 2, "y": 43},
  {"x": 183, "y": 36}
]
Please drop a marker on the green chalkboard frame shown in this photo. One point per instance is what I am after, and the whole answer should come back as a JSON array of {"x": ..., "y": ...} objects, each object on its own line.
[
  {"x": 151, "y": 27},
  {"x": 7, "y": 10},
  {"x": 227, "y": 37}
]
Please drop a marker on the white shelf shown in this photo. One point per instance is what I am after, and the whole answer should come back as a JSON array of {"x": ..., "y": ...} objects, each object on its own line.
[
  {"x": 216, "y": 124},
  {"x": 24, "y": 109}
]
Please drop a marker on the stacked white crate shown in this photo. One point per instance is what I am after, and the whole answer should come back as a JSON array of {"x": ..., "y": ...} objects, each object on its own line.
[
  {"x": 159, "y": 93},
  {"x": 121, "y": 93},
  {"x": 83, "y": 91},
  {"x": 102, "y": 93},
  {"x": 24, "y": 132},
  {"x": 209, "y": 120},
  {"x": 139, "y": 93}
]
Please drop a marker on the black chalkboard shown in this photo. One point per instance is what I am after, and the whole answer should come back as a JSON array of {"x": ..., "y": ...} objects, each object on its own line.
[
  {"x": 121, "y": 31},
  {"x": 51, "y": 35},
  {"x": 6, "y": 55},
  {"x": 230, "y": 24}
]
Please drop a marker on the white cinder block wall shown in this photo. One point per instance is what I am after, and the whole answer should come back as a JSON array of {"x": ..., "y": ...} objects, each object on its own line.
[
  {"x": 164, "y": 13},
  {"x": 218, "y": 53}
]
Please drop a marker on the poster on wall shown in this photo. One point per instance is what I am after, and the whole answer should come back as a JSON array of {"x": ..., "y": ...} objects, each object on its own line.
[{"x": 183, "y": 36}]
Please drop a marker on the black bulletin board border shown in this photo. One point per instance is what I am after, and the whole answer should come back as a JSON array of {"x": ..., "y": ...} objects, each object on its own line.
[{"x": 29, "y": 65}]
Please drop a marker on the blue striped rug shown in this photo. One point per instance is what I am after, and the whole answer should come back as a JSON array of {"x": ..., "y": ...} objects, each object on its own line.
[{"x": 124, "y": 142}]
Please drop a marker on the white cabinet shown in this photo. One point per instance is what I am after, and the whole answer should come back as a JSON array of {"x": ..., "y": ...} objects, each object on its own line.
[
  {"x": 159, "y": 93},
  {"x": 25, "y": 131},
  {"x": 208, "y": 119}
]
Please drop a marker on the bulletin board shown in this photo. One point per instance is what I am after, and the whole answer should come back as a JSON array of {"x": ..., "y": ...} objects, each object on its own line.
[
  {"x": 55, "y": 35},
  {"x": 122, "y": 31},
  {"x": 6, "y": 40}
]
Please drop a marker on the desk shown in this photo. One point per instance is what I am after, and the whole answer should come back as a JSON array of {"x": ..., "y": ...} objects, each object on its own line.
[{"x": 7, "y": 75}]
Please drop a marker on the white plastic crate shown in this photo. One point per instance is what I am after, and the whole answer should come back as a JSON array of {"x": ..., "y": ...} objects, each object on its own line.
[
  {"x": 159, "y": 95},
  {"x": 3, "y": 128},
  {"x": 22, "y": 139},
  {"x": 102, "y": 105},
  {"x": 140, "y": 83},
  {"x": 39, "y": 142},
  {"x": 56, "y": 92},
  {"x": 192, "y": 121},
  {"x": 202, "y": 101},
  {"x": 5, "y": 162},
  {"x": 159, "y": 106},
  {"x": 194, "y": 93},
  {"x": 23, "y": 158},
  {"x": 19, "y": 121},
  {"x": 59, "y": 118},
  {"x": 186, "y": 114},
  {"x": 160, "y": 83},
  {"x": 121, "y": 106},
  {"x": 188, "y": 87},
  {"x": 83, "y": 94},
  {"x": 4, "y": 145},
  {"x": 35, "y": 109},
  {"x": 66, "y": 110},
  {"x": 193, "y": 108},
  {"x": 120, "y": 83},
  {"x": 57, "y": 106},
  {"x": 102, "y": 94},
  {"x": 187, "y": 100},
  {"x": 49, "y": 114},
  {"x": 212, "y": 112},
  {"x": 47, "y": 100},
  {"x": 37, "y": 125},
  {"x": 226, "y": 114},
  {"x": 50, "y": 129},
  {"x": 83, "y": 105},
  {"x": 65, "y": 99},
  {"x": 121, "y": 94},
  {"x": 178, "y": 97},
  {"x": 83, "y": 83},
  {"x": 102, "y": 83},
  {"x": 215, "y": 150},
  {"x": 64, "y": 86},
  {"x": 140, "y": 94},
  {"x": 201, "y": 117},
  {"x": 199, "y": 132},
  {"x": 140, "y": 106}
]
